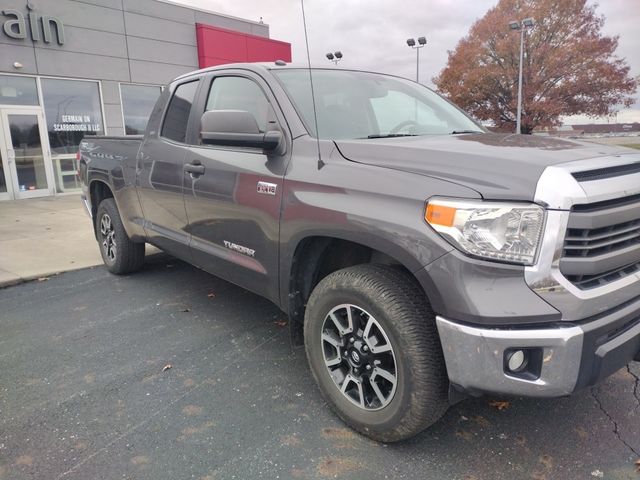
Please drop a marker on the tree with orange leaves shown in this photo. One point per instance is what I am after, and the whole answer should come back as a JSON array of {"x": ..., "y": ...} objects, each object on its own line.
[{"x": 569, "y": 67}]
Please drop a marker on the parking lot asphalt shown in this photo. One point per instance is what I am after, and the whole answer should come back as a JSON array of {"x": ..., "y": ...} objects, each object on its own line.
[{"x": 86, "y": 393}]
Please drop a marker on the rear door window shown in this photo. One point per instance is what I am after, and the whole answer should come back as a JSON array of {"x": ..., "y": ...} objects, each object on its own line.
[{"x": 177, "y": 116}]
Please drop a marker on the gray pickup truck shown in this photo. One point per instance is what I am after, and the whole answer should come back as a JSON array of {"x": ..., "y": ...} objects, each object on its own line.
[{"x": 419, "y": 257}]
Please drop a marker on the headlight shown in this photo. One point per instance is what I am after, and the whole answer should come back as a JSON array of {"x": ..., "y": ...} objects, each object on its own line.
[{"x": 507, "y": 232}]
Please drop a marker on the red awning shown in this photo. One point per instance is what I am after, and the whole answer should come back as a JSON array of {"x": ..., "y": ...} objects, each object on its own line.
[{"x": 217, "y": 46}]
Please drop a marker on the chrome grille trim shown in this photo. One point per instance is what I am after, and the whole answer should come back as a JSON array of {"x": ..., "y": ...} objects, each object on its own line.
[
  {"x": 585, "y": 282},
  {"x": 603, "y": 263},
  {"x": 602, "y": 244},
  {"x": 559, "y": 192},
  {"x": 619, "y": 230}
]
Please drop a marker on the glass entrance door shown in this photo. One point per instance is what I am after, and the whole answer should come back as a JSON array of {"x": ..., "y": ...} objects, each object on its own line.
[
  {"x": 26, "y": 160},
  {"x": 5, "y": 179}
]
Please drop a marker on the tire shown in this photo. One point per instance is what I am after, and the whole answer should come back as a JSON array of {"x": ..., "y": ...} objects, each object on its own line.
[
  {"x": 119, "y": 254},
  {"x": 402, "y": 321}
]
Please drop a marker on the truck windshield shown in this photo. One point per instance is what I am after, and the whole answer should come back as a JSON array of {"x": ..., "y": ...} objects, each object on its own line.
[{"x": 354, "y": 105}]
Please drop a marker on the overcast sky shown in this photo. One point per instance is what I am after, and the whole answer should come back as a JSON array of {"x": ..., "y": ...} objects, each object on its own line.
[{"x": 372, "y": 33}]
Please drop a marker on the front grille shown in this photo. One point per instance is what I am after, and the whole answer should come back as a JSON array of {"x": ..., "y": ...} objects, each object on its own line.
[
  {"x": 602, "y": 243},
  {"x": 598, "y": 241}
]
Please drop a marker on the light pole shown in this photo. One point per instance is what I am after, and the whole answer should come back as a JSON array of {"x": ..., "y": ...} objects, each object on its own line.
[
  {"x": 515, "y": 25},
  {"x": 422, "y": 41},
  {"x": 335, "y": 57}
]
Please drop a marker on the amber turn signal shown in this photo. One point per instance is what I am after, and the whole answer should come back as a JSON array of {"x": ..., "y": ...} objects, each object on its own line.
[{"x": 440, "y": 215}]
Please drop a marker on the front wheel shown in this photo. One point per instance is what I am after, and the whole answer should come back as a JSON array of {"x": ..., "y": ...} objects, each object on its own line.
[
  {"x": 119, "y": 254},
  {"x": 374, "y": 351}
]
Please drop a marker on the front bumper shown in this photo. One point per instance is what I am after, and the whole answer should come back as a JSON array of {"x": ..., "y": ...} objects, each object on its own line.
[{"x": 565, "y": 356}]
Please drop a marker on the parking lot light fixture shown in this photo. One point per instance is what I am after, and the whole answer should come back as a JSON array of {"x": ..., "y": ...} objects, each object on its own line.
[
  {"x": 335, "y": 57},
  {"x": 411, "y": 42}
]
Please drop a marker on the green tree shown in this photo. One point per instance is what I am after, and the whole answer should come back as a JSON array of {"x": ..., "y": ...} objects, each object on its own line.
[{"x": 569, "y": 67}]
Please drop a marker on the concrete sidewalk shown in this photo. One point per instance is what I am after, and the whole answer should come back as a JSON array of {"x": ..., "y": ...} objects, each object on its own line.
[{"x": 44, "y": 236}]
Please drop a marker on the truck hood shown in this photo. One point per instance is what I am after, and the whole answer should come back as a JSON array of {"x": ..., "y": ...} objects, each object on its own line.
[{"x": 497, "y": 166}]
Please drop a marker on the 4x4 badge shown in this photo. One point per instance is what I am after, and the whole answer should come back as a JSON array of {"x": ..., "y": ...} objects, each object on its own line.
[{"x": 267, "y": 188}]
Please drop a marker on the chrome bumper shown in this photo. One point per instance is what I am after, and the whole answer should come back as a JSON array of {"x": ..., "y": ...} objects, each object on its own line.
[{"x": 475, "y": 357}]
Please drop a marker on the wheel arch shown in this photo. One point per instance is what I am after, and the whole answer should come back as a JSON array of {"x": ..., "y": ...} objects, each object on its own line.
[
  {"x": 98, "y": 191},
  {"x": 315, "y": 256}
]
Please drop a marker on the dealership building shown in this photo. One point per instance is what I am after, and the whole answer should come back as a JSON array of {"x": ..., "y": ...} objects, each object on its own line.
[{"x": 71, "y": 68}]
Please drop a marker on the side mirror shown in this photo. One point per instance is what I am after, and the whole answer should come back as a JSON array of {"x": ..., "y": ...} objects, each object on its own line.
[{"x": 236, "y": 128}]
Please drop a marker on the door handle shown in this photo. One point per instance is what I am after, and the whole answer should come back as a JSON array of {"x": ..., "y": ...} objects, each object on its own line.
[{"x": 195, "y": 169}]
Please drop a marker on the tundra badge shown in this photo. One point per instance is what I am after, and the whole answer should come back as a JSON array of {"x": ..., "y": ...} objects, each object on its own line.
[
  {"x": 267, "y": 188},
  {"x": 240, "y": 248}
]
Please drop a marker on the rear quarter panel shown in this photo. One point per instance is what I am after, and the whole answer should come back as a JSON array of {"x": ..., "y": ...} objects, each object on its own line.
[{"x": 112, "y": 160}]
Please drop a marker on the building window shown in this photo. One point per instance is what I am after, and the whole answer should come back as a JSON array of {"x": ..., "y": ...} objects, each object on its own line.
[
  {"x": 18, "y": 90},
  {"x": 177, "y": 116},
  {"x": 73, "y": 110},
  {"x": 137, "y": 103}
]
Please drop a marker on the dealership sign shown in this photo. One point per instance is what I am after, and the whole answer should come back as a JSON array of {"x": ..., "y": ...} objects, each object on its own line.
[
  {"x": 16, "y": 24},
  {"x": 76, "y": 123}
]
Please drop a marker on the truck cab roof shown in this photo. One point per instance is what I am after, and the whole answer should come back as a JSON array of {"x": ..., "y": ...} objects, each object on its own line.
[{"x": 263, "y": 67}]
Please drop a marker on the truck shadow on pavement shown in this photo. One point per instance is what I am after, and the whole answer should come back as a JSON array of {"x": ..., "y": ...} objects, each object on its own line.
[{"x": 172, "y": 373}]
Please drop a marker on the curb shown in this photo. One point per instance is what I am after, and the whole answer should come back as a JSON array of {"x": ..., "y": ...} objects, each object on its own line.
[
  {"x": 150, "y": 254},
  {"x": 30, "y": 278}
]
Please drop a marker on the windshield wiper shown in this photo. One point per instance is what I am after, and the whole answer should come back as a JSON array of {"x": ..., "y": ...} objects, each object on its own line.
[
  {"x": 460, "y": 132},
  {"x": 391, "y": 135}
]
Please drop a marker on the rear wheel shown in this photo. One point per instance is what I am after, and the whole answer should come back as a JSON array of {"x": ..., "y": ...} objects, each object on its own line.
[
  {"x": 119, "y": 253},
  {"x": 374, "y": 351}
]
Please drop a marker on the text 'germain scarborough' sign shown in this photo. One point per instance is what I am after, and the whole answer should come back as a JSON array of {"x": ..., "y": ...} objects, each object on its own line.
[
  {"x": 16, "y": 24},
  {"x": 76, "y": 123}
]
